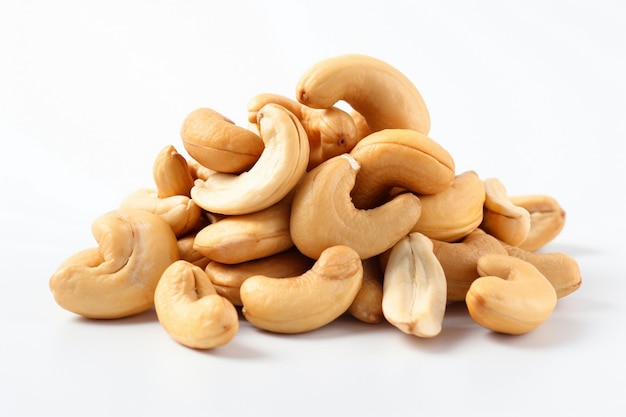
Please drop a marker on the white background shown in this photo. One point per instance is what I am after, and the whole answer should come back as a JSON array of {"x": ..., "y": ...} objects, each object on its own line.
[{"x": 533, "y": 93}]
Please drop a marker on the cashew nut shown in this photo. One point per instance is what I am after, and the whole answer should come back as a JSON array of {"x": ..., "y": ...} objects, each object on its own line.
[
  {"x": 323, "y": 215},
  {"x": 306, "y": 302},
  {"x": 367, "y": 306},
  {"x": 278, "y": 169},
  {"x": 190, "y": 310},
  {"x": 244, "y": 237},
  {"x": 218, "y": 143},
  {"x": 511, "y": 296},
  {"x": 453, "y": 213},
  {"x": 547, "y": 219},
  {"x": 381, "y": 93},
  {"x": 171, "y": 173},
  {"x": 502, "y": 218},
  {"x": 189, "y": 254},
  {"x": 399, "y": 158},
  {"x": 459, "y": 260},
  {"x": 414, "y": 287},
  {"x": 119, "y": 277}
]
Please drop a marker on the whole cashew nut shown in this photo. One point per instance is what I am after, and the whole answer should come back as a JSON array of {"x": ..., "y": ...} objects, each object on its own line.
[
  {"x": 190, "y": 310},
  {"x": 119, "y": 277},
  {"x": 501, "y": 218},
  {"x": 547, "y": 219}
]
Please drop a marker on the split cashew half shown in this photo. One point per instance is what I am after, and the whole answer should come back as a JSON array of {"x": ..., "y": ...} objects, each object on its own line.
[
  {"x": 119, "y": 277},
  {"x": 380, "y": 92},
  {"x": 306, "y": 302},
  {"x": 323, "y": 215},
  {"x": 279, "y": 168},
  {"x": 511, "y": 296},
  {"x": 190, "y": 310}
]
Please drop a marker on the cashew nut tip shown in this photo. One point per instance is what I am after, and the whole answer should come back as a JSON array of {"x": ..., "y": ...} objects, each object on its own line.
[
  {"x": 190, "y": 310},
  {"x": 308, "y": 301},
  {"x": 119, "y": 277}
]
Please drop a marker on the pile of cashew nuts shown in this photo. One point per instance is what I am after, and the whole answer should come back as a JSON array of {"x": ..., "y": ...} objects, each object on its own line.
[{"x": 311, "y": 212}]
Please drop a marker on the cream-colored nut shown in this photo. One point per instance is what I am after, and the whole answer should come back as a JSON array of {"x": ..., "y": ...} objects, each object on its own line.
[
  {"x": 171, "y": 173},
  {"x": 511, "y": 296},
  {"x": 368, "y": 303},
  {"x": 501, "y": 218},
  {"x": 323, "y": 215},
  {"x": 559, "y": 268},
  {"x": 380, "y": 92},
  {"x": 414, "y": 287},
  {"x": 227, "y": 278},
  {"x": 459, "y": 260},
  {"x": 118, "y": 278},
  {"x": 190, "y": 310},
  {"x": 179, "y": 211},
  {"x": 217, "y": 143},
  {"x": 279, "y": 168},
  {"x": 455, "y": 212},
  {"x": 547, "y": 219},
  {"x": 331, "y": 131},
  {"x": 362, "y": 128},
  {"x": 399, "y": 158},
  {"x": 306, "y": 302},
  {"x": 245, "y": 237},
  {"x": 189, "y": 254}
]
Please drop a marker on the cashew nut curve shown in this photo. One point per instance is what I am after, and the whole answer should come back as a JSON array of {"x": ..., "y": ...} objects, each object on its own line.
[
  {"x": 501, "y": 218},
  {"x": 547, "y": 219}
]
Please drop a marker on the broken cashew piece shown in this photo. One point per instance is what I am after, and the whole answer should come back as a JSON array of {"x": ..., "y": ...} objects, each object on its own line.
[
  {"x": 190, "y": 310},
  {"x": 511, "y": 296},
  {"x": 279, "y": 168},
  {"x": 217, "y": 143},
  {"x": 399, "y": 158},
  {"x": 118, "y": 278},
  {"x": 501, "y": 218},
  {"x": 171, "y": 173},
  {"x": 306, "y": 302},
  {"x": 414, "y": 287},
  {"x": 547, "y": 219},
  {"x": 323, "y": 215},
  {"x": 380, "y": 92}
]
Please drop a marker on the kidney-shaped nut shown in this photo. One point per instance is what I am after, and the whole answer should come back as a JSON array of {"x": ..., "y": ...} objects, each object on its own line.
[
  {"x": 501, "y": 218},
  {"x": 190, "y": 310},
  {"x": 380, "y": 92},
  {"x": 171, "y": 173},
  {"x": 323, "y": 215},
  {"x": 279, "y": 168},
  {"x": 559, "y": 268},
  {"x": 511, "y": 296},
  {"x": 459, "y": 260},
  {"x": 331, "y": 131},
  {"x": 455, "y": 212},
  {"x": 118, "y": 278},
  {"x": 217, "y": 143},
  {"x": 367, "y": 306},
  {"x": 306, "y": 302},
  {"x": 179, "y": 211},
  {"x": 227, "y": 278},
  {"x": 414, "y": 287},
  {"x": 547, "y": 219},
  {"x": 399, "y": 158},
  {"x": 244, "y": 237}
]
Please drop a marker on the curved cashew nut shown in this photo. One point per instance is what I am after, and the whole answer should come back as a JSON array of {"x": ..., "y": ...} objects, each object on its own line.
[
  {"x": 331, "y": 131},
  {"x": 218, "y": 143},
  {"x": 547, "y": 219},
  {"x": 368, "y": 303},
  {"x": 511, "y": 296},
  {"x": 414, "y": 287},
  {"x": 190, "y": 310},
  {"x": 399, "y": 158},
  {"x": 323, "y": 215},
  {"x": 119, "y": 277},
  {"x": 502, "y": 218},
  {"x": 306, "y": 302},
  {"x": 279, "y": 168},
  {"x": 380, "y": 92},
  {"x": 179, "y": 211},
  {"x": 171, "y": 173},
  {"x": 459, "y": 260},
  {"x": 454, "y": 212},
  {"x": 245, "y": 237}
]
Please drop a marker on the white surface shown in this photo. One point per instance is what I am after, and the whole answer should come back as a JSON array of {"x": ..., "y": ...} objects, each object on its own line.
[{"x": 533, "y": 93}]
